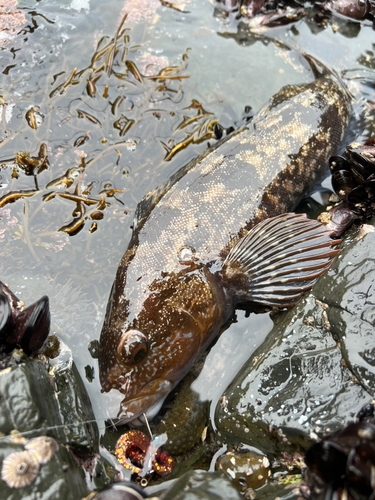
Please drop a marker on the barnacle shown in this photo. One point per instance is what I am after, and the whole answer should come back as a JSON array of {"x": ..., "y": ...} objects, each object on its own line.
[
  {"x": 42, "y": 448},
  {"x": 19, "y": 469}
]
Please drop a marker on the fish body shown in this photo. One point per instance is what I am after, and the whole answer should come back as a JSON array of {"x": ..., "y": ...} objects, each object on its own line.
[{"x": 193, "y": 256}]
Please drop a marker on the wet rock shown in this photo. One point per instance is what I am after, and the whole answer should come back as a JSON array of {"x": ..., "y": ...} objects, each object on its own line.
[
  {"x": 349, "y": 291},
  {"x": 198, "y": 484},
  {"x": 301, "y": 383},
  {"x": 119, "y": 491},
  {"x": 75, "y": 411},
  {"x": 285, "y": 488},
  {"x": 53, "y": 419}
]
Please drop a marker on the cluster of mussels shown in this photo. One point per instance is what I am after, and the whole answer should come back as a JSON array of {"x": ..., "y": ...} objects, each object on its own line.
[
  {"x": 20, "y": 326},
  {"x": 343, "y": 464},
  {"x": 276, "y": 12},
  {"x": 353, "y": 177},
  {"x": 353, "y": 180}
]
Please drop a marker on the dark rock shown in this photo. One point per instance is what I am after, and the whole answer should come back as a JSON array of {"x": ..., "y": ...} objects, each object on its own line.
[
  {"x": 296, "y": 386},
  {"x": 198, "y": 484},
  {"x": 36, "y": 400}
]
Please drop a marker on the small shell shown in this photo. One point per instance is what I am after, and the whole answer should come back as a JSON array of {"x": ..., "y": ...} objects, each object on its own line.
[
  {"x": 43, "y": 448},
  {"x": 19, "y": 469}
]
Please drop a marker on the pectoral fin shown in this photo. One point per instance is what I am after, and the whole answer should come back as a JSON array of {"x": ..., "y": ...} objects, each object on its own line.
[{"x": 278, "y": 260}]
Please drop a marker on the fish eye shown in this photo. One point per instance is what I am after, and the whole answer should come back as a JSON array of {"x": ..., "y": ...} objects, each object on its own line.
[{"x": 133, "y": 347}]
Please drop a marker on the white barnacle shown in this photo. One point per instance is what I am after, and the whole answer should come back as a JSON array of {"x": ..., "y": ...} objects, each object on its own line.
[
  {"x": 42, "y": 448},
  {"x": 19, "y": 469}
]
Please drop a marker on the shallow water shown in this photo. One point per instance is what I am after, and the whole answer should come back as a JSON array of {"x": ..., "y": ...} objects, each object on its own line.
[{"x": 227, "y": 67}]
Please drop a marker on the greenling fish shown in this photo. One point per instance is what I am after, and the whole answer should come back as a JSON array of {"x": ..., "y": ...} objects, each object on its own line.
[{"x": 212, "y": 239}]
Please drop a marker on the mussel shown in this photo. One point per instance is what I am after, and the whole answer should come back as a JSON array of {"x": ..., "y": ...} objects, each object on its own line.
[{"x": 26, "y": 328}]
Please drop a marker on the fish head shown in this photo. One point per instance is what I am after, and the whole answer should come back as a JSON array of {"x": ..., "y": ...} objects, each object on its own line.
[{"x": 145, "y": 355}]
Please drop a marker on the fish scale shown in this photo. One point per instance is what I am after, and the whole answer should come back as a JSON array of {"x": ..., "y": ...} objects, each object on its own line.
[{"x": 176, "y": 305}]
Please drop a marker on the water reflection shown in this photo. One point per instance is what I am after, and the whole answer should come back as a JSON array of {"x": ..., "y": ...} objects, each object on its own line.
[{"x": 111, "y": 138}]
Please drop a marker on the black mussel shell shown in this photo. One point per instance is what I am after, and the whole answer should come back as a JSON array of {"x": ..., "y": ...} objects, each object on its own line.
[
  {"x": 327, "y": 460},
  {"x": 342, "y": 217},
  {"x": 27, "y": 328},
  {"x": 344, "y": 460},
  {"x": 370, "y": 185},
  {"x": 339, "y": 163},
  {"x": 361, "y": 172},
  {"x": 32, "y": 326},
  {"x": 13, "y": 301},
  {"x": 362, "y": 166},
  {"x": 343, "y": 182},
  {"x": 218, "y": 130},
  {"x": 367, "y": 412},
  {"x": 358, "y": 196},
  {"x": 361, "y": 460},
  {"x": 353, "y": 9},
  {"x": 5, "y": 317}
]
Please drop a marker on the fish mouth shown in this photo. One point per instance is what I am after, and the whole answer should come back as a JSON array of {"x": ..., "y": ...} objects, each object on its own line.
[{"x": 148, "y": 401}]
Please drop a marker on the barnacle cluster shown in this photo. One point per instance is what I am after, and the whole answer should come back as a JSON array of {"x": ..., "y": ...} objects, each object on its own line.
[
  {"x": 21, "y": 468},
  {"x": 245, "y": 468},
  {"x": 131, "y": 449}
]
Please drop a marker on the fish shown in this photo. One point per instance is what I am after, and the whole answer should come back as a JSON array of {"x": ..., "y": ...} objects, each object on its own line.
[{"x": 216, "y": 236}]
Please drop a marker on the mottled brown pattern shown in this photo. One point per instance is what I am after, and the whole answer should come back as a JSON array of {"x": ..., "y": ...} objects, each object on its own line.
[{"x": 259, "y": 172}]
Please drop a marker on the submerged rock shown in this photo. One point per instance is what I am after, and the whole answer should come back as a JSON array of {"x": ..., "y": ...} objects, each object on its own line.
[{"x": 301, "y": 383}]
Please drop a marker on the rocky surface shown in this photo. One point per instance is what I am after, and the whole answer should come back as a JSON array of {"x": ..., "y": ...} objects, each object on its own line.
[
  {"x": 37, "y": 399},
  {"x": 314, "y": 370},
  {"x": 199, "y": 484}
]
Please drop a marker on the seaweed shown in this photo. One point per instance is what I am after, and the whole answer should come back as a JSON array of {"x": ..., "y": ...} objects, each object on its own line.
[{"x": 136, "y": 99}]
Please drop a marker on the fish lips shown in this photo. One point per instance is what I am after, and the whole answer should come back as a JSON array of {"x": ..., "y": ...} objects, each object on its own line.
[{"x": 148, "y": 401}]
